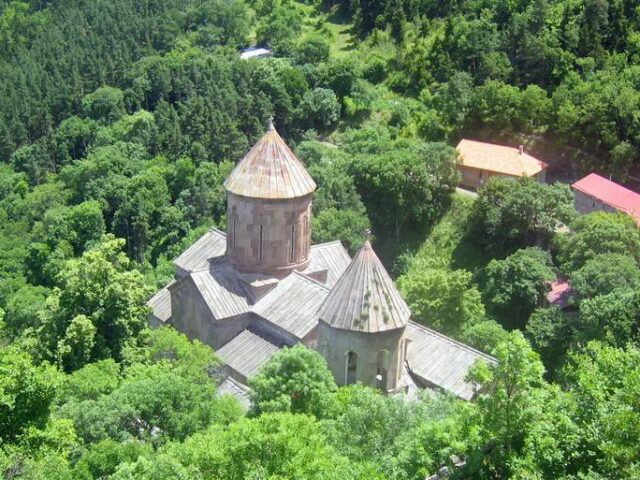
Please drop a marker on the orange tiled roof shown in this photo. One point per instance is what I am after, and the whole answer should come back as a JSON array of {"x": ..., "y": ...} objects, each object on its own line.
[{"x": 498, "y": 158}]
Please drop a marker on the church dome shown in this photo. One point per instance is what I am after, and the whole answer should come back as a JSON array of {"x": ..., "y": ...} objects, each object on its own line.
[
  {"x": 269, "y": 209},
  {"x": 365, "y": 298},
  {"x": 270, "y": 171}
]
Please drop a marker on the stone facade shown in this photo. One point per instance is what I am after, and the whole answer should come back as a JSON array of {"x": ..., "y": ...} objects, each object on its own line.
[
  {"x": 586, "y": 203},
  {"x": 271, "y": 237},
  {"x": 474, "y": 178},
  {"x": 374, "y": 359},
  {"x": 192, "y": 316}
]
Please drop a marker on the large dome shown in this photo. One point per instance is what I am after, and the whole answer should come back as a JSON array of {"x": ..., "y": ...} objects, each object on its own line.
[{"x": 270, "y": 171}]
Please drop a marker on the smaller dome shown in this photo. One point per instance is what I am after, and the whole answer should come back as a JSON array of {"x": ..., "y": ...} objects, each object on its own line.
[
  {"x": 365, "y": 298},
  {"x": 271, "y": 171}
]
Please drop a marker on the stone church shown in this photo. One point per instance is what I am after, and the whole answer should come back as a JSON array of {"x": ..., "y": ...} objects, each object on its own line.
[{"x": 262, "y": 286}]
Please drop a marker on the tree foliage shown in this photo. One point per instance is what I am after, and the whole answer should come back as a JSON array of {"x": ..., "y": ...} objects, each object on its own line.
[
  {"x": 295, "y": 380},
  {"x": 97, "y": 310},
  {"x": 26, "y": 392},
  {"x": 595, "y": 234},
  {"x": 511, "y": 214},
  {"x": 515, "y": 286},
  {"x": 446, "y": 301}
]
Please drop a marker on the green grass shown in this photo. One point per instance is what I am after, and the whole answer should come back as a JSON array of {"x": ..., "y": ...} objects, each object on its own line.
[
  {"x": 342, "y": 42},
  {"x": 334, "y": 28}
]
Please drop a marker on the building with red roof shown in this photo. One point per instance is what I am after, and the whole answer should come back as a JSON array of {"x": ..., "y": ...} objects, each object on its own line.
[
  {"x": 559, "y": 293},
  {"x": 595, "y": 193}
]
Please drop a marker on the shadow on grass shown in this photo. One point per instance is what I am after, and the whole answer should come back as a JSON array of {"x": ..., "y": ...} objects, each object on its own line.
[{"x": 469, "y": 255}]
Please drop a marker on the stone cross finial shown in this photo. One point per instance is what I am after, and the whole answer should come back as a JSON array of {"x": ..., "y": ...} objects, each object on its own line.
[
  {"x": 270, "y": 123},
  {"x": 367, "y": 234}
]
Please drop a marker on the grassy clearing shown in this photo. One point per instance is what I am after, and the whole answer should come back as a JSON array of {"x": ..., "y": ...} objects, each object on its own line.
[
  {"x": 333, "y": 27},
  {"x": 342, "y": 42}
]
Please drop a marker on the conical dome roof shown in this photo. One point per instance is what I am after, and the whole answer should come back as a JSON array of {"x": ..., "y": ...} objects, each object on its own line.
[
  {"x": 365, "y": 299},
  {"x": 270, "y": 170}
]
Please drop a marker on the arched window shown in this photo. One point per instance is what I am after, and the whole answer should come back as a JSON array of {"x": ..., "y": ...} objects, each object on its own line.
[
  {"x": 233, "y": 233},
  {"x": 351, "y": 368},
  {"x": 382, "y": 368},
  {"x": 292, "y": 243},
  {"x": 260, "y": 243},
  {"x": 306, "y": 237}
]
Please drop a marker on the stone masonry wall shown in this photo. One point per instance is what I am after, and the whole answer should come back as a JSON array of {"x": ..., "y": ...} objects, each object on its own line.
[
  {"x": 335, "y": 344},
  {"x": 286, "y": 234}
]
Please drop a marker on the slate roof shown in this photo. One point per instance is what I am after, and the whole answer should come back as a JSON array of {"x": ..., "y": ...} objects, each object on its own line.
[
  {"x": 247, "y": 353},
  {"x": 330, "y": 256},
  {"x": 230, "y": 386},
  {"x": 160, "y": 304},
  {"x": 498, "y": 158},
  {"x": 293, "y": 305},
  {"x": 297, "y": 302},
  {"x": 440, "y": 361},
  {"x": 611, "y": 193},
  {"x": 227, "y": 294},
  {"x": 222, "y": 290},
  {"x": 271, "y": 171},
  {"x": 365, "y": 298},
  {"x": 211, "y": 244}
]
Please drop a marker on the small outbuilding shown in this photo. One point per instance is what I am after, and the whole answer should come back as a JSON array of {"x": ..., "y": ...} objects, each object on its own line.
[
  {"x": 595, "y": 193},
  {"x": 480, "y": 161},
  {"x": 559, "y": 294},
  {"x": 255, "y": 52}
]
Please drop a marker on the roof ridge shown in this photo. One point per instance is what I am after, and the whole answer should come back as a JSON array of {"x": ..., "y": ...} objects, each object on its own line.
[
  {"x": 309, "y": 279},
  {"x": 452, "y": 340},
  {"x": 218, "y": 231},
  {"x": 327, "y": 244}
]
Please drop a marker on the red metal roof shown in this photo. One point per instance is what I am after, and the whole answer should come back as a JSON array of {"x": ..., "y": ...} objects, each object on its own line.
[
  {"x": 611, "y": 193},
  {"x": 560, "y": 292}
]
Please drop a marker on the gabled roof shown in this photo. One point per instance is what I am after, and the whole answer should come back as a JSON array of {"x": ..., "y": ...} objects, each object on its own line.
[
  {"x": 498, "y": 158},
  {"x": 160, "y": 304},
  {"x": 329, "y": 256},
  {"x": 222, "y": 290},
  {"x": 211, "y": 244},
  {"x": 611, "y": 193},
  {"x": 365, "y": 299},
  {"x": 560, "y": 293},
  {"x": 246, "y": 354},
  {"x": 254, "y": 52},
  {"x": 230, "y": 386},
  {"x": 293, "y": 305},
  {"x": 440, "y": 361},
  {"x": 271, "y": 171}
]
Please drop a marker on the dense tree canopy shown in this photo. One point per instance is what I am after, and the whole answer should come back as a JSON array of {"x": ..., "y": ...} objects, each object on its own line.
[
  {"x": 515, "y": 286},
  {"x": 447, "y": 301},
  {"x": 512, "y": 214},
  {"x": 120, "y": 120},
  {"x": 295, "y": 380},
  {"x": 97, "y": 309}
]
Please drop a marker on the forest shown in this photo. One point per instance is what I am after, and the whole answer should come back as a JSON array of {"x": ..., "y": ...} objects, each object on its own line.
[{"x": 120, "y": 120}]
